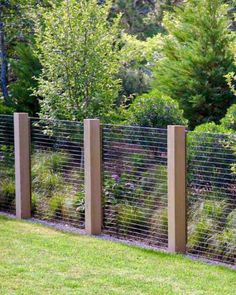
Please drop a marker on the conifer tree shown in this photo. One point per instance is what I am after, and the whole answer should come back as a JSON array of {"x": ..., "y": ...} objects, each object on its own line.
[{"x": 196, "y": 56}]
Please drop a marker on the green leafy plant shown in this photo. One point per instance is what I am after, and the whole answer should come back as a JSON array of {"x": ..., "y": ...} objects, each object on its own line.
[
  {"x": 204, "y": 219},
  {"x": 130, "y": 218},
  {"x": 159, "y": 226},
  {"x": 79, "y": 51},
  {"x": 225, "y": 241},
  {"x": 229, "y": 120},
  {"x": 7, "y": 193},
  {"x": 56, "y": 204},
  {"x": 46, "y": 176},
  {"x": 155, "y": 110},
  {"x": 53, "y": 196},
  {"x": 196, "y": 54},
  {"x": 214, "y": 145}
]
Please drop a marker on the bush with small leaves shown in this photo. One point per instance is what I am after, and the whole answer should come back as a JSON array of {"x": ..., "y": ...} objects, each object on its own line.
[
  {"x": 204, "y": 219},
  {"x": 46, "y": 175},
  {"x": 225, "y": 241},
  {"x": 214, "y": 145},
  {"x": 229, "y": 120},
  {"x": 7, "y": 194},
  {"x": 155, "y": 110},
  {"x": 130, "y": 218},
  {"x": 159, "y": 227},
  {"x": 55, "y": 205}
]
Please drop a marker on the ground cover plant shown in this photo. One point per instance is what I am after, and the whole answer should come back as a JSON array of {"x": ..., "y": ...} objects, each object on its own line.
[{"x": 38, "y": 260}]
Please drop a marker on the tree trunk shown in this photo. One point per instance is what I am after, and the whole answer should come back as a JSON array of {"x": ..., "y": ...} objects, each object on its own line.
[{"x": 3, "y": 58}]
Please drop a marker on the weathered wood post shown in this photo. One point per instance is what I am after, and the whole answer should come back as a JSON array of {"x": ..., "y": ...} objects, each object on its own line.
[
  {"x": 22, "y": 165},
  {"x": 177, "y": 232},
  {"x": 92, "y": 167}
]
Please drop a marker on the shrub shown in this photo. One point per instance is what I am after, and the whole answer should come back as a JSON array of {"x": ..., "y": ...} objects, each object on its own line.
[
  {"x": 117, "y": 188},
  {"x": 53, "y": 197},
  {"x": 214, "y": 151},
  {"x": 46, "y": 175},
  {"x": 225, "y": 241},
  {"x": 55, "y": 205},
  {"x": 204, "y": 220},
  {"x": 7, "y": 193},
  {"x": 73, "y": 207},
  {"x": 159, "y": 226},
  {"x": 154, "y": 185},
  {"x": 155, "y": 110},
  {"x": 33, "y": 202},
  {"x": 130, "y": 218},
  {"x": 127, "y": 195},
  {"x": 229, "y": 121}
]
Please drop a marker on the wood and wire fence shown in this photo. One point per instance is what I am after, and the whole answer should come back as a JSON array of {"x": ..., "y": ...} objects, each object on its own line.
[{"x": 168, "y": 188}]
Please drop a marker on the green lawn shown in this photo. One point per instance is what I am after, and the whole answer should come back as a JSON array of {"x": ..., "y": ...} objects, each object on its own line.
[{"x": 38, "y": 260}]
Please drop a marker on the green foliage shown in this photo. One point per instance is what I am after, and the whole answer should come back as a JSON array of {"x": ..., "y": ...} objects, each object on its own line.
[
  {"x": 26, "y": 68},
  {"x": 196, "y": 55},
  {"x": 56, "y": 204},
  {"x": 137, "y": 57},
  {"x": 117, "y": 188},
  {"x": 206, "y": 143},
  {"x": 78, "y": 50},
  {"x": 229, "y": 121},
  {"x": 46, "y": 176},
  {"x": 142, "y": 18},
  {"x": 159, "y": 225},
  {"x": 7, "y": 193},
  {"x": 7, "y": 175},
  {"x": 130, "y": 218},
  {"x": 7, "y": 160},
  {"x": 155, "y": 110},
  {"x": 231, "y": 79},
  {"x": 225, "y": 242},
  {"x": 158, "y": 187},
  {"x": 5, "y": 109},
  {"x": 54, "y": 197},
  {"x": 204, "y": 219},
  {"x": 211, "y": 128},
  {"x": 130, "y": 200}
]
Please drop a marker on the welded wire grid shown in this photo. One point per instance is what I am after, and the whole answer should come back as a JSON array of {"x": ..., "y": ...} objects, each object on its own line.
[
  {"x": 135, "y": 183},
  {"x": 212, "y": 196},
  {"x": 7, "y": 169},
  {"x": 57, "y": 163}
]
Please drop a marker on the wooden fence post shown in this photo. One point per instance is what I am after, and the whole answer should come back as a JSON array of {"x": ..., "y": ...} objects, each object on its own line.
[
  {"x": 22, "y": 165},
  {"x": 177, "y": 231},
  {"x": 92, "y": 167}
]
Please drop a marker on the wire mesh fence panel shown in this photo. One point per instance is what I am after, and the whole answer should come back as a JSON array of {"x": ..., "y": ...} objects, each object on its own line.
[
  {"x": 7, "y": 169},
  {"x": 135, "y": 183},
  {"x": 57, "y": 167},
  {"x": 212, "y": 196}
]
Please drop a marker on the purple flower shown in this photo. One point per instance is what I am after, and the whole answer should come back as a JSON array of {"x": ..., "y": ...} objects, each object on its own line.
[{"x": 115, "y": 177}]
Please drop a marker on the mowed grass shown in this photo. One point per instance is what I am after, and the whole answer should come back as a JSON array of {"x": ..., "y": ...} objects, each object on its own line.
[{"x": 38, "y": 260}]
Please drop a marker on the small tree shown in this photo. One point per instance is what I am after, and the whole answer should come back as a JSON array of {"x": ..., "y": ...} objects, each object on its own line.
[
  {"x": 196, "y": 55},
  {"x": 78, "y": 50}
]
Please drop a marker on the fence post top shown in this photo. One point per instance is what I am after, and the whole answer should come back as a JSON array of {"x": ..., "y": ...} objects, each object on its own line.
[
  {"x": 91, "y": 120},
  {"x": 21, "y": 114},
  {"x": 176, "y": 126}
]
